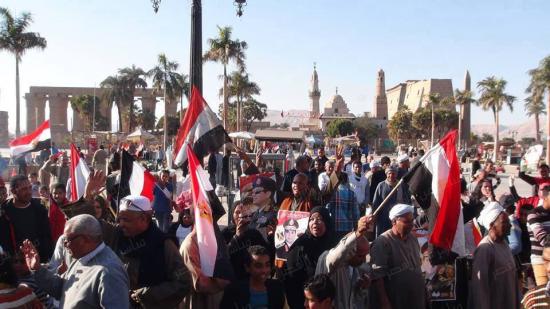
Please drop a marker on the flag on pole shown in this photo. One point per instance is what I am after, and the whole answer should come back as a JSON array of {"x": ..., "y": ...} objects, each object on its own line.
[
  {"x": 40, "y": 139},
  {"x": 201, "y": 127},
  {"x": 437, "y": 174},
  {"x": 57, "y": 219},
  {"x": 204, "y": 221},
  {"x": 135, "y": 177},
  {"x": 79, "y": 174}
]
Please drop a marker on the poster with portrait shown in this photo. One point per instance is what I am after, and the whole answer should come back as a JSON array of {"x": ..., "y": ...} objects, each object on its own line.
[
  {"x": 290, "y": 225},
  {"x": 246, "y": 182},
  {"x": 442, "y": 284}
]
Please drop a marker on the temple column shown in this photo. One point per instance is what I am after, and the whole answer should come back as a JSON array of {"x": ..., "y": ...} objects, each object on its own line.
[
  {"x": 31, "y": 113},
  {"x": 78, "y": 122},
  {"x": 58, "y": 117},
  {"x": 149, "y": 103},
  {"x": 40, "y": 109},
  {"x": 105, "y": 111},
  {"x": 171, "y": 107}
]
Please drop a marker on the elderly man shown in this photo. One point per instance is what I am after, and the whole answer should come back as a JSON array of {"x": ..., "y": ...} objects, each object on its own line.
[
  {"x": 395, "y": 259},
  {"x": 346, "y": 265},
  {"x": 59, "y": 171},
  {"x": 95, "y": 279},
  {"x": 494, "y": 281},
  {"x": 382, "y": 191},
  {"x": 158, "y": 277},
  {"x": 324, "y": 178},
  {"x": 404, "y": 165},
  {"x": 24, "y": 217},
  {"x": 301, "y": 198}
]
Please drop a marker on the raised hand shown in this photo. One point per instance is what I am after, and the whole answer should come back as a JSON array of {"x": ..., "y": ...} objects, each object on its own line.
[
  {"x": 32, "y": 258},
  {"x": 363, "y": 225},
  {"x": 94, "y": 185},
  {"x": 340, "y": 158}
]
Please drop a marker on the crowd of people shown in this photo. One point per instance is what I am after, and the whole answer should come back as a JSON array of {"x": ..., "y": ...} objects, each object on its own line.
[{"x": 358, "y": 245}]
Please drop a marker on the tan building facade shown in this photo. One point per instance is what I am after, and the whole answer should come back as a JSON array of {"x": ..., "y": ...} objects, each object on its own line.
[
  {"x": 414, "y": 93},
  {"x": 335, "y": 108}
]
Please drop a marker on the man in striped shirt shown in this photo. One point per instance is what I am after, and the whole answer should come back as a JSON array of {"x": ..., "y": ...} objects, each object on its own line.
[
  {"x": 538, "y": 297},
  {"x": 538, "y": 224}
]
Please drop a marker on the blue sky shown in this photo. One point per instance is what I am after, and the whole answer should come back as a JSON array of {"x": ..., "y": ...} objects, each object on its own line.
[{"x": 349, "y": 39}]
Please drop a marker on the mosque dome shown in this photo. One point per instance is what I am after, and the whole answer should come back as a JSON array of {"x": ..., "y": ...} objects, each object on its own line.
[{"x": 335, "y": 101}]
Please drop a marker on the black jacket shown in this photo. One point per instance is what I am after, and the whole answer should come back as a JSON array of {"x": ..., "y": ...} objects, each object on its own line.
[{"x": 237, "y": 295}]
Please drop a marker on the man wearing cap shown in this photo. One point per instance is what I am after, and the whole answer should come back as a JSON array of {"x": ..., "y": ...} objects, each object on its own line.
[
  {"x": 402, "y": 195},
  {"x": 404, "y": 165},
  {"x": 395, "y": 259},
  {"x": 263, "y": 196},
  {"x": 494, "y": 281},
  {"x": 158, "y": 276}
]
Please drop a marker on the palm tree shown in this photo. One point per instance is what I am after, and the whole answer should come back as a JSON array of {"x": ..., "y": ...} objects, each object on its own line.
[
  {"x": 462, "y": 98},
  {"x": 540, "y": 86},
  {"x": 534, "y": 107},
  {"x": 434, "y": 100},
  {"x": 117, "y": 92},
  {"x": 223, "y": 49},
  {"x": 15, "y": 39},
  {"x": 492, "y": 97},
  {"x": 241, "y": 88},
  {"x": 132, "y": 78},
  {"x": 172, "y": 84}
]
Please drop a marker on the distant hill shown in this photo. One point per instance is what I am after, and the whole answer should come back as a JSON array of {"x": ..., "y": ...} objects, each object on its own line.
[{"x": 526, "y": 129}]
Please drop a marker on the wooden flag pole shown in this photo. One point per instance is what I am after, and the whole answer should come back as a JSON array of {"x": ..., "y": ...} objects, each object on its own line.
[{"x": 385, "y": 201}]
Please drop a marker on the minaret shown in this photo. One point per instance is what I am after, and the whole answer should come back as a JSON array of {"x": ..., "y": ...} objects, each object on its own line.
[
  {"x": 314, "y": 93},
  {"x": 380, "y": 108},
  {"x": 466, "y": 129}
]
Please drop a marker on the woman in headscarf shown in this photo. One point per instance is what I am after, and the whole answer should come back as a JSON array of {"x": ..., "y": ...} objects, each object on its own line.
[{"x": 304, "y": 253}]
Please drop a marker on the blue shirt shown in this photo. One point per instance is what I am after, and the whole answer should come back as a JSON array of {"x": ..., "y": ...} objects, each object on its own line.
[
  {"x": 160, "y": 202},
  {"x": 258, "y": 300}
]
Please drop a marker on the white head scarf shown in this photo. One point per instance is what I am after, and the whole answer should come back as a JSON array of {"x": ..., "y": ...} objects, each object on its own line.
[
  {"x": 400, "y": 210},
  {"x": 489, "y": 214}
]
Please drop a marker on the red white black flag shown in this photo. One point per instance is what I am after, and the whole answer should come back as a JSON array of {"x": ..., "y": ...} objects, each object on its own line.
[
  {"x": 40, "y": 139},
  {"x": 79, "y": 174},
  {"x": 201, "y": 128},
  {"x": 134, "y": 178},
  {"x": 437, "y": 174}
]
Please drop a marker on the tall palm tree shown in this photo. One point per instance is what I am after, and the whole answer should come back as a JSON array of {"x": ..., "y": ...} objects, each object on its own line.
[
  {"x": 15, "y": 39},
  {"x": 534, "y": 107},
  {"x": 169, "y": 82},
  {"x": 132, "y": 77},
  {"x": 241, "y": 88},
  {"x": 492, "y": 97},
  {"x": 540, "y": 85},
  {"x": 117, "y": 90},
  {"x": 434, "y": 101},
  {"x": 224, "y": 49},
  {"x": 462, "y": 98}
]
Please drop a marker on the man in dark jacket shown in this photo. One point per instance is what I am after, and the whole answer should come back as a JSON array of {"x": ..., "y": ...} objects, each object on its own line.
[{"x": 24, "y": 217}]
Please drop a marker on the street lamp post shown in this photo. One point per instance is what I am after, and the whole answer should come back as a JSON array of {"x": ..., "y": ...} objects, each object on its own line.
[{"x": 195, "y": 71}]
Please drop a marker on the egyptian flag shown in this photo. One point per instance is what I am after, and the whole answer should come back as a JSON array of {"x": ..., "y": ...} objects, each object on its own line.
[
  {"x": 57, "y": 219},
  {"x": 134, "y": 178},
  {"x": 204, "y": 219},
  {"x": 40, "y": 139},
  {"x": 436, "y": 177},
  {"x": 79, "y": 174},
  {"x": 201, "y": 128}
]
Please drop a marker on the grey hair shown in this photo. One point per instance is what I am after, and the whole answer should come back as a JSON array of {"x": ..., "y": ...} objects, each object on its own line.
[{"x": 85, "y": 225}]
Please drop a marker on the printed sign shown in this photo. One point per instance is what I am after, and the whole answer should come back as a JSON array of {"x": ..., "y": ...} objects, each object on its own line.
[{"x": 290, "y": 225}]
